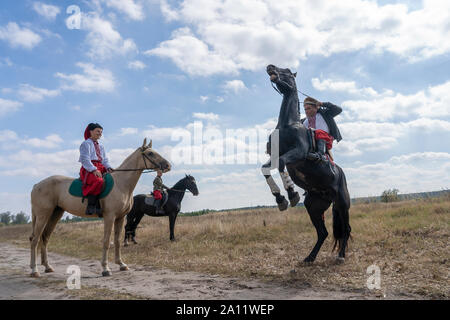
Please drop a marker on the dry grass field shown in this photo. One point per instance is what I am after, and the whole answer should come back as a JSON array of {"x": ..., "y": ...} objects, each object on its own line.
[{"x": 408, "y": 240}]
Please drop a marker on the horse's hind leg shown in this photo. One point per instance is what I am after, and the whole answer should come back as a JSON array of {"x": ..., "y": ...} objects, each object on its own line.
[
  {"x": 316, "y": 207},
  {"x": 50, "y": 226},
  {"x": 281, "y": 200}
]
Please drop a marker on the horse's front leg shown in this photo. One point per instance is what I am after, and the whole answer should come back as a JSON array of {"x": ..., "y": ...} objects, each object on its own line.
[
  {"x": 118, "y": 225},
  {"x": 288, "y": 184},
  {"x": 281, "y": 200},
  {"x": 172, "y": 219},
  {"x": 108, "y": 222}
]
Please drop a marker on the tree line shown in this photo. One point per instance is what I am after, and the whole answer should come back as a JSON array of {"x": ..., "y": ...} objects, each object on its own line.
[{"x": 7, "y": 218}]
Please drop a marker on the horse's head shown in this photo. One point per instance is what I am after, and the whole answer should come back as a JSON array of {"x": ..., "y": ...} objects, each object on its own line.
[
  {"x": 284, "y": 79},
  {"x": 152, "y": 159},
  {"x": 191, "y": 185}
]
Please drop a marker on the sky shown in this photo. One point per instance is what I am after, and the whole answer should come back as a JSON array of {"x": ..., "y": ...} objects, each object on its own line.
[{"x": 166, "y": 70}]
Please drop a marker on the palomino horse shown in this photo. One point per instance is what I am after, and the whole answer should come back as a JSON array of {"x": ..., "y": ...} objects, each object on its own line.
[
  {"x": 50, "y": 198},
  {"x": 171, "y": 208},
  {"x": 323, "y": 182}
]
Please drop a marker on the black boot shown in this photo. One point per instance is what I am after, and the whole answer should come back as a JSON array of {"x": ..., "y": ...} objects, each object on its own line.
[
  {"x": 158, "y": 209},
  {"x": 92, "y": 205},
  {"x": 322, "y": 149}
]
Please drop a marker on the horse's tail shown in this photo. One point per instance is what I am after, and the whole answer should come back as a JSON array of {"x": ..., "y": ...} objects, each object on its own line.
[{"x": 341, "y": 216}]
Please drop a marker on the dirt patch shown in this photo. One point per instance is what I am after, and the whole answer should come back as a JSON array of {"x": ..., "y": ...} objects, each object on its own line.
[{"x": 143, "y": 282}]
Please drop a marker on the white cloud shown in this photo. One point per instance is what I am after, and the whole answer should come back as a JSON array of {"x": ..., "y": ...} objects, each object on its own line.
[
  {"x": 204, "y": 98},
  {"x": 234, "y": 85},
  {"x": 51, "y": 141},
  {"x": 42, "y": 164},
  {"x": 434, "y": 102},
  {"x": 343, "y": 86},
  {"x": 361, "y": 136},
  {"x": 103, "y": 39},
  {"x": 5, "y": 62},
  {"x": 47, "y": 11},
  {"x": 7, "y": 135},
  {"x": 136, "y": 65},
  {"x": 248, "y": 35},
  {"x": 416, "y": 172},
  {"x": 19, "y": 37},
  {"x": 192, "y": 55},
  {"x": 8, "y": 106},
  {"x": 205, "y": 116},
  {"x": 11, "y": 140},
  {"x": 33, "y": 94},
  {"x": 92, "y": 80},
  {"x": 128, "y": 131},
  {"x": 132, "y": 9}
]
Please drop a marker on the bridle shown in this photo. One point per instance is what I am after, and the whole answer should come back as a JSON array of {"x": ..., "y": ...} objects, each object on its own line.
[
  {"x": 147, "y": 169},
  {"x": 288, "y": 85}
]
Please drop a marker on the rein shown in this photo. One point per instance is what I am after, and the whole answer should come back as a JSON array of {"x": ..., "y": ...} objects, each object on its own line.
[{"x": 146, "y": 170}]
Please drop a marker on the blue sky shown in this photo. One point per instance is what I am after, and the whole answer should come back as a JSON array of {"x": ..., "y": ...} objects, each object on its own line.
[{"x": 145, "y": 68}]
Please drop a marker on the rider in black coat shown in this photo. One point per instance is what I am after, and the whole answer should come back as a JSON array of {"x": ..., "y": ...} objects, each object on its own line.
[{"x": 328, "y": 112}]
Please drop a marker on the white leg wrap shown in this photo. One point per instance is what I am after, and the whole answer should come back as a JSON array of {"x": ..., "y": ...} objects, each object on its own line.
[
  {"x": 287, "y": 182},
  {"x": 272, "y": 184}
]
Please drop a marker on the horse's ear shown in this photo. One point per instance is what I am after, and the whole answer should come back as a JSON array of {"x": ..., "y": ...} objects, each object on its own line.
[
  {"x": 150, "y": 143},
  {"x": 295, "y": 75},
  {"x": 144, "y": 143}
]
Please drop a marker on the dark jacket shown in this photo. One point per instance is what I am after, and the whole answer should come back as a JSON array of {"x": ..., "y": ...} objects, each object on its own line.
[{"x": 328, "y": 112}]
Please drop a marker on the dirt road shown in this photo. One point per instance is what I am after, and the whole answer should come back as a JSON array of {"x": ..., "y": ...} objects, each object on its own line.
[{"x": 141, "y": 282}]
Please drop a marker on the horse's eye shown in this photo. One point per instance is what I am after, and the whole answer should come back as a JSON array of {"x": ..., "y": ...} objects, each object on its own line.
[{"x": 150, "y": 153}]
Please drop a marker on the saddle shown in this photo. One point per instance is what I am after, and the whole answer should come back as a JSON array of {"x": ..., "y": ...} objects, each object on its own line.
[
  {"x": 76, "y": 191},
  {"x": 150, "y": 200}
]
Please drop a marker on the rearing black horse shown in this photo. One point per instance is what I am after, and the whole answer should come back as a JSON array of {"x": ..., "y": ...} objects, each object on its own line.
[
  {"x": 171, "y": 208},
  {"x": 324, "y": 183}
]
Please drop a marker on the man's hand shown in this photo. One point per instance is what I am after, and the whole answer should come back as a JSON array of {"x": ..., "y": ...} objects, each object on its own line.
[{"x": 97, "y": 173}]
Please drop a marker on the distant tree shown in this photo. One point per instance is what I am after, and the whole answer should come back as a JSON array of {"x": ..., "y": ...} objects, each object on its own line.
[
  {"x": 390, "y": 195},
  {"x": 20, "y": 218},
  {"x": 5, "y": 217}
]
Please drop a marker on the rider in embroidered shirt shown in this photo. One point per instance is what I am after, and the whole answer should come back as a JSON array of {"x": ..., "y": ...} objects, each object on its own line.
[
  {"x": 158, "y": 188},
  {"x": 94, "y": 164},
  {"x": 320, "y": 116}
]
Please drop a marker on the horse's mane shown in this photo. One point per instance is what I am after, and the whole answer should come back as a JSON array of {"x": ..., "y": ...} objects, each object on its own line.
[{"x": 178, "y": 184}]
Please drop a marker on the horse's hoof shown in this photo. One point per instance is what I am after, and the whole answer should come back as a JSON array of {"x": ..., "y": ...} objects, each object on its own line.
[
  {"x": 35, "y": 274},
  {"x": 125, "y": 244},
  {"x": 295, "y": 200},
  {"x": 124, "y": 268},
  {"x": 135, "y": 242},
  {"x": 49, "y": 269},
  {"x": 340, "y": 260},
  {"x": 308, "y": 261},
  {"x": 107, "y": 273},
  {"x": 283, "y": 205}
]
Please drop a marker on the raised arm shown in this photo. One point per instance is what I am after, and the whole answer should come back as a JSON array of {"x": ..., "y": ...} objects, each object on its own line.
[{"x": 330, "y": 109}]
